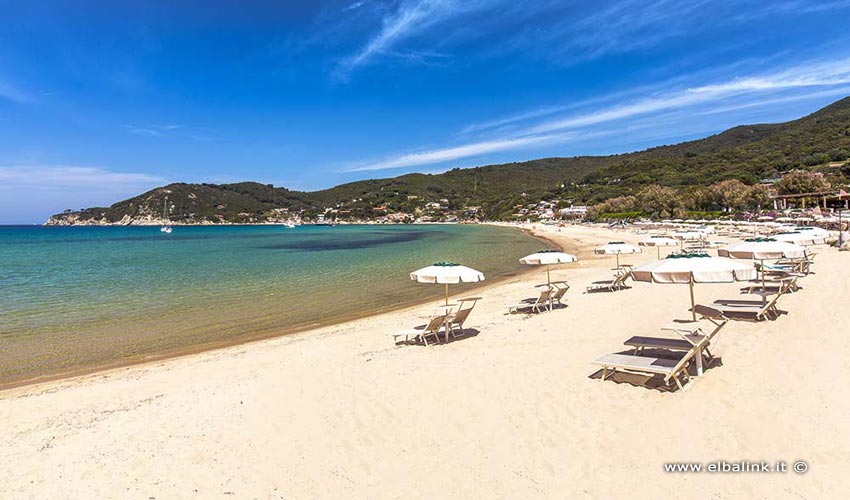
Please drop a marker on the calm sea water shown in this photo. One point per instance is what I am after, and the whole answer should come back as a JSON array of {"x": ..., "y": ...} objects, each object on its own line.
[{"x": 82, "y": 297}]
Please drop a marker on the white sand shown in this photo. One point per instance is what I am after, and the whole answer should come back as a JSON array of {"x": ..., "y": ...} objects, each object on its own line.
[{"x": 510, "y": 413}]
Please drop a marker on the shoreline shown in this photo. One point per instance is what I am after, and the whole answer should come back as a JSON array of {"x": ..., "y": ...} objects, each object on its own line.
[
  {"x": 299, "y": 330},
  {"x": 306, "y": 415}
]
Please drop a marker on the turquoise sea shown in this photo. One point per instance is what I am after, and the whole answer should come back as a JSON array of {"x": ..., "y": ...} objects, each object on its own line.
[{"x": 76, "y": 298}]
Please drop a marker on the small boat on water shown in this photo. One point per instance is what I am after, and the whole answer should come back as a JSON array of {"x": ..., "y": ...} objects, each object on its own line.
[
  {"x": 321, "y": 221},
  {"x": 289, "y": 225},
  {"x": 166, "y": 228}
]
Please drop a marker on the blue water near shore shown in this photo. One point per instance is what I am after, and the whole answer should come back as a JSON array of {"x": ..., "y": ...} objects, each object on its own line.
[{"x": 79, "y": 297}]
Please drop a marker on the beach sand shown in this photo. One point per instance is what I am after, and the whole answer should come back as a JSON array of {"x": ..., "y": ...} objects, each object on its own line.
[{"x": 512, "y": 412}]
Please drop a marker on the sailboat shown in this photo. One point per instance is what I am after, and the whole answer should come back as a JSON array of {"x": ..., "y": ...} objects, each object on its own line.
[{"x": 165, "y": 228}]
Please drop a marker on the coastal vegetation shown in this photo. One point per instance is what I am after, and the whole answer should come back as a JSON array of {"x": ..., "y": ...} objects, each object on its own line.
[{"x": 733, "y": 170}]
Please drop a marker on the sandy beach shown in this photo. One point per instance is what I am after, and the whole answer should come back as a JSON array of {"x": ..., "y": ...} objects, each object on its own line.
[{"x": 514, "y": 411}]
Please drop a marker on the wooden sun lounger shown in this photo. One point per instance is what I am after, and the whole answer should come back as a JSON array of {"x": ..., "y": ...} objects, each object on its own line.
[
  {"x": 431, "y": 329},
  {"x": 672, "y": 369},
  {"x": 541, "y": 302},
  {"x": 459, "y": 318},
  {"x": 756, "y": 310},
  {"x": 787, "y": 284},
  {"x": 561, "y": 288},
  {"x": 618, "y": 283},
  {"x": 693, "y": 333}
]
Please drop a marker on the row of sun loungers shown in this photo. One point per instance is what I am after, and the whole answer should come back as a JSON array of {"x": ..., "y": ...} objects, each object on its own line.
[{"x": 671, "y": 358}]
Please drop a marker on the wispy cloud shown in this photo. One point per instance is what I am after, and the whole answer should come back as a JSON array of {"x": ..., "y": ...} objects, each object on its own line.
[
  {"x": 153, "y": 130},
  {"x": 14, "y": 177},
  {"x": 13, "y": 93},
  {"x": 804, "y": 81},
  {"x": 454, "y": 153},
  {"x": 199, "y": 134},
  {"x": 411, "y": 18},
  {"x": 353, "y": 6},
  {"x": 30, "y": 193},
  {"x": 561, "y": 32}
]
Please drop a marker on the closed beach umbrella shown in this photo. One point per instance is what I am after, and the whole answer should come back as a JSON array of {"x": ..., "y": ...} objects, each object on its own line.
[
  {"x": 694, "y": 268},
  {"x": 447, "y": 273},
  {"x": 548, "y": 258},
  {"x": 658, "y": 242},
  {"x": 616, "y": 248}
]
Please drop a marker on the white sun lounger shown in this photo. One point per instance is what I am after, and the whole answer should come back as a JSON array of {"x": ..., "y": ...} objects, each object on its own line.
[
  {"x": 618, "y": 283},
  {"x": 431, "y": 329},
  {"x": 673, "y": 370},
  {"x": 536, "y": 305}
]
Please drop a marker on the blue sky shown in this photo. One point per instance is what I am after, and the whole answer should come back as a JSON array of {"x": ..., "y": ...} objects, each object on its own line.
[{"x": 102, "y": 100}]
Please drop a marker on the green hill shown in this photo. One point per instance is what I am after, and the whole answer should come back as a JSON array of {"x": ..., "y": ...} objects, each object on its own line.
[{"x": 747, "y": 153}]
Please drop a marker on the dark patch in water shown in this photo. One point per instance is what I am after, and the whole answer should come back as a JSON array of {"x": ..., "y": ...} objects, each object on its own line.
[{"x": 324, "y": 244}]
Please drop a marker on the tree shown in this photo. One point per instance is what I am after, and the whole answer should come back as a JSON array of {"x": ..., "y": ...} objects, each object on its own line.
[
  {"x": 730, "y": 194},
  {"x": 660, "y": 201},
  {"x": 758, "y": 196},
  {"x": 802, "y": 181}
]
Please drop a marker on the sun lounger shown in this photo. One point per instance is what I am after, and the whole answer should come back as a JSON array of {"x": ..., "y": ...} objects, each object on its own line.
[
  {"x": 755, "y": 310},
  {"x": 786, "y": 284},
  {"x": 535, "y": 305},
  {"x": 692, "y": 332},
  {"x": 457, "y": 320},
  {"x": 673, "y": 370},
  {"x": 431, "y": 329},
  {"x": 618, "y": 283},
  {"x": 561, "y": 288}
]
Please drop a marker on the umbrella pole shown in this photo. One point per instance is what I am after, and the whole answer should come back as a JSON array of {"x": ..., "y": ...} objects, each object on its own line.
[
  {"x": 693, "y": 304},
  {"x": 618, "y": 260},
  {"x": 763, "y": 289},
  {"x": 659, "y": 251},
  {"x": 447, "y": 294},
  {"x": 548, "y": 279}
]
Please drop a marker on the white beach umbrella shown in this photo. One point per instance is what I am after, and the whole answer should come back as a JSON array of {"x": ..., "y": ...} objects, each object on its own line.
[
  {"x": 658, "y": 242},
  {"x": 817, "y": 232},
  {"x": 447, "y": 273},
  {"x": 548, "y": 258},
  {"x": 689, "y": 235},
  {"x": 763, "y": 249},
  {"x": 616, "y": 248},
  {"x": 694, "y": 268},
  {"x": 797, "y": 238}
]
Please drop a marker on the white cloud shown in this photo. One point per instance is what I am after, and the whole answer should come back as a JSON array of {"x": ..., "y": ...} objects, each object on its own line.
[
  {"x": 454, "y": 153},
  {"x": 561, "y": 32},
  {"x": 12, "y": 93},
  {"x": 411, "y": 18},
  {"x": 31, "y": 193},
  {"x": 824, "y": 78},
  {"x": 66, "y": 176}
]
